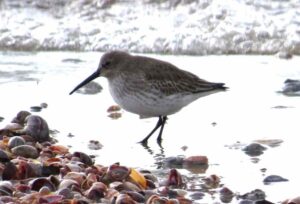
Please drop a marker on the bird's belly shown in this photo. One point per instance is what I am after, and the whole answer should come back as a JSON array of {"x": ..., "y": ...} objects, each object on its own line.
[
  {"x": 149, "y": 105},
  {"x": 138, "y": 98}
]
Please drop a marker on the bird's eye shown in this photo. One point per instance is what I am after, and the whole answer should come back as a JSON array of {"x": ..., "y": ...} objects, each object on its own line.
[{"x": 106, "y": 64}]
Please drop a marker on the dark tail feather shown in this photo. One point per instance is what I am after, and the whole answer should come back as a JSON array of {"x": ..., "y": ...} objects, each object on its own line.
[{"x": 220, "y": 86}]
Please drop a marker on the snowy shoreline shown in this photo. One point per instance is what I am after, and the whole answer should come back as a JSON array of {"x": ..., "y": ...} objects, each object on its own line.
[{"x": 190, "y": 27}]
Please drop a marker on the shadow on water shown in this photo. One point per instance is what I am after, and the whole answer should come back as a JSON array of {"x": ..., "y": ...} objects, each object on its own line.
[{"x": 158, "y": 157}]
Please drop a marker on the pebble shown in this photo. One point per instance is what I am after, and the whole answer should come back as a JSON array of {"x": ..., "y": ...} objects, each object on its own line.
[
  {"x": 37, "y": 128},
  {"x": 15, "y": 141},
  {"x": 113, "y": 108},
  {"x": 211, "y": 181},
  {"x": 84, "y": 158},
  {"x": 21, "y": 117},
  {"x": 184, "y": 148},
  {"x": 76, "y": 175},
  {"x": 44, "y": 105},
  {"x": 35, "y": 108},
  {"x": 274, "y": 178},
  {"x": 195, "y": 160},
  {"x": 226, "y": 195},
  {"x": 254, "y": 195},
  {"x": 291, "y": 87},
  {"x": 197, "y": 195},
  {"x": 263, "y": 170},
  {"x": 3, "y": 156},
  {"x": 254, "y": 149},
  {"x": 26, "y": 151},
  {"x": 48, "y": 173},
  {"x": 70, "y": 135},
  {"x": 94, "y": 145}
]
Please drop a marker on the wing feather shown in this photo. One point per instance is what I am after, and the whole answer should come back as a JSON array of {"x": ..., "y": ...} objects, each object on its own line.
[{"x": 169, "y": 80}]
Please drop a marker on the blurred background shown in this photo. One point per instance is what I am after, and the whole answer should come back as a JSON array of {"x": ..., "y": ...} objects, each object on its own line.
[{"x": 196, "y": 27}]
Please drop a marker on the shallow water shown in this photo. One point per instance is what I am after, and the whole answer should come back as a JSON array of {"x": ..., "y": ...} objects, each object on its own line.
[{"x": 244, "y": 113}]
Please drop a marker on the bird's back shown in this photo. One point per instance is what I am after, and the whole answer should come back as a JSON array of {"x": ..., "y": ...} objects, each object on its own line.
[{"x": 170, "y": 80}]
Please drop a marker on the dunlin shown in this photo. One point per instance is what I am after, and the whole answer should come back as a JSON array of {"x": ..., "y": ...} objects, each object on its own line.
[{"x": 150, "y": 87}]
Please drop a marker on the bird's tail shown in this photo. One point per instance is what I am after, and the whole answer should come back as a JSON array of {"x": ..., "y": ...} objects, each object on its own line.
[{"x": 220, "y": 86}]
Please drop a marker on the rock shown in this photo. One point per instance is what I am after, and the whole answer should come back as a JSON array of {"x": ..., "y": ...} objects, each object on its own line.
[
  {"x": 44, "y": 105},
  {"x": 291, "y": 87},
  {"x": 197, "y": 195},
  {"x": 274, "y": 178},
  {"x": 37, "y": 128},
  {"x": 195, "y": 160},
  {"x": 3, "y": 156},
  {"x": 35, "y": 108},
  {"x": 84, "y": 158},
  {"x": 226, "y": 195},
  {"x": 9, "y": 171},
  {"x": 254, "y": 149},
  {"x": 15, "y": 141},
  {"x": 113, "y": 108},
  {"x": 20, "y": 118},
  {"x": 94, "y": 145},
  {"x": 66, "y": 192},
  {"x": 195, "y": 164},
  {"x": 26, "y": 151},
  {"x": 254, "y": 195}
]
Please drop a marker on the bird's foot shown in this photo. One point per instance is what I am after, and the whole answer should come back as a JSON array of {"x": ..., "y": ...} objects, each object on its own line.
[
  {"x": 144, "y": 142},
  {"x": 159, "y": 141}
]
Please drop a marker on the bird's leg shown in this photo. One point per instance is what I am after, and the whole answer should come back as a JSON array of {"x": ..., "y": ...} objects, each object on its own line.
[
  {"x": 158, "y": 124},
  {"x": 159, "y": 139}
]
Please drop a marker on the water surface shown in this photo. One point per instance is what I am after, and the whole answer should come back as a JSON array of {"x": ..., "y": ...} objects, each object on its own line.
[{"x": 243, "y": 114}]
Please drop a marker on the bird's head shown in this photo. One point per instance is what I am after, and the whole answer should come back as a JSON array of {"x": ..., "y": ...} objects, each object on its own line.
[{"x": 109, "y": 65}]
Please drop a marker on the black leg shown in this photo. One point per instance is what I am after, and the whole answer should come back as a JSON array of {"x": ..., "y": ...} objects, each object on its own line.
[
  {"x": 159, "y": 139},
  {"x": 159, "y": 123}
]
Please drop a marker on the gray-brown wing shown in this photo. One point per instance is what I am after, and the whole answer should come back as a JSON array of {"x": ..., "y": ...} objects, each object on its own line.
[{"x": 169, "y": 79}]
